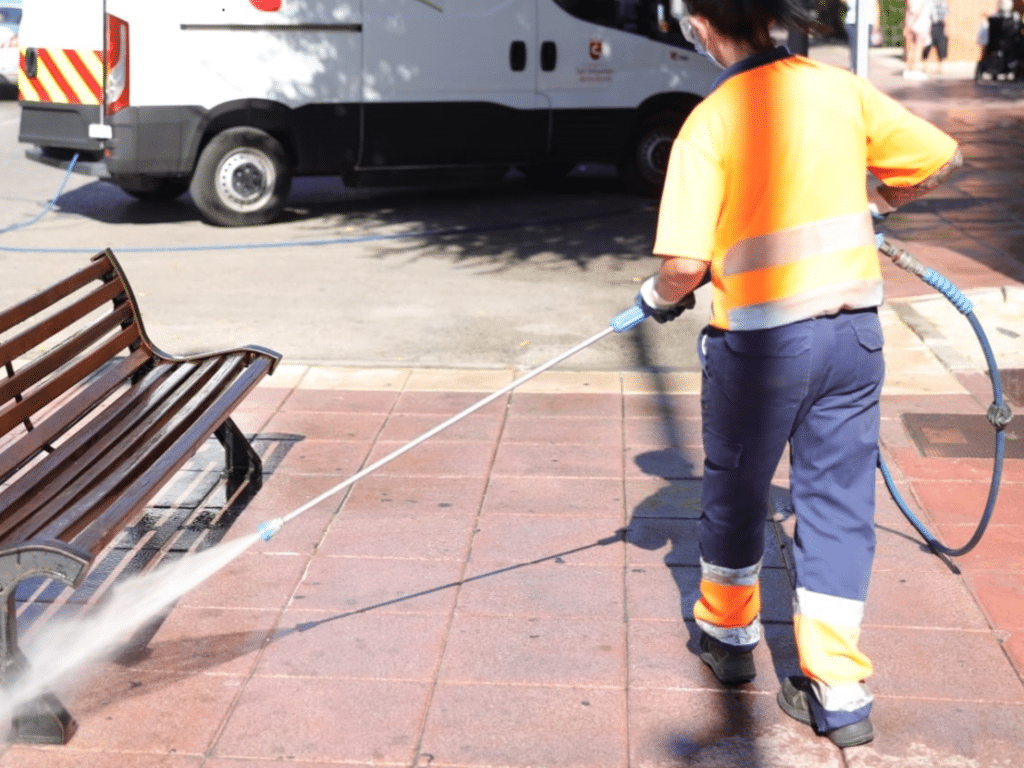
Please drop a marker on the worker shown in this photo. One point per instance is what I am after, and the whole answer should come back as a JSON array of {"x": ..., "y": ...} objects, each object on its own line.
[{"x": 766, "y": 191}]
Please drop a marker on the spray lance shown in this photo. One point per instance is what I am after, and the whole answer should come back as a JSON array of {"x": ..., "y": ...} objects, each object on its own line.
[{"x": 624, "y": 321}]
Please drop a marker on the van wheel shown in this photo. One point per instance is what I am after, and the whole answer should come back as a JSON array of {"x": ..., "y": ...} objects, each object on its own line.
[
  {"x": 242, "y": 178},
  {"x": 643, "y": 168},
  {"x": 152, "y": 189}
]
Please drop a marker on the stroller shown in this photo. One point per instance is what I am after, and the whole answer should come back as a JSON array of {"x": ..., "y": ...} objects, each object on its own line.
[{"x": 1004, "y": 49}]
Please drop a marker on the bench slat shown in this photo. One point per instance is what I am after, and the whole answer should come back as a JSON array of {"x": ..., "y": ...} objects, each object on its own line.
[
  {"x": 22, "y": 311},
  {"x": 102, "y": 530},
  {"x": 38, "y": 369},
  {"x": 16, "y": 413},
  {"x": 95, "y": 458},
  {"x": 70, "y": 413},
  {"x": 40, "y": 483},
  {"x": 37, "y": 334}
]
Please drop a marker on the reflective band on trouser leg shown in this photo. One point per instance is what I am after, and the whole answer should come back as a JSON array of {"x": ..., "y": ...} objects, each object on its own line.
[
  {"x": 827, "y": 630},
  {"x": 729, "y": 608}
]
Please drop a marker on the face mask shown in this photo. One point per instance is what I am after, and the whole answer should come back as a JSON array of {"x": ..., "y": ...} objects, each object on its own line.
[{"x": 690, "y": 33}]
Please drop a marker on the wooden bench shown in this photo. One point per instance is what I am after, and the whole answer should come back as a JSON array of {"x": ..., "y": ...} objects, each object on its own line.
[{"x": 94, "y": 420}]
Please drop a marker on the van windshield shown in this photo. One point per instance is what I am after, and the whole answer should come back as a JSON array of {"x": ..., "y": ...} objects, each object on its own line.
[{"x": 657, "y": 19}]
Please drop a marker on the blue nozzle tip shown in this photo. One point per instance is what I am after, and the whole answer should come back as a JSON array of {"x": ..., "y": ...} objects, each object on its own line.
[{"x": 268, "y": 528}]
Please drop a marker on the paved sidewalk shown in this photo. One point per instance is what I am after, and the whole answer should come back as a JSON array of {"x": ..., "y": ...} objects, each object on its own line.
[{"x": 516, "y": 591}]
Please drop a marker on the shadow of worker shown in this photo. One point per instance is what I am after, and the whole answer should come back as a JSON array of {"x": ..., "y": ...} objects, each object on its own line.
[{"x": 664, "y": 530}]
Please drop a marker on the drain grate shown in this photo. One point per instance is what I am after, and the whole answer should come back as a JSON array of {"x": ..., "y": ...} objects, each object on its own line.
[
  {"x": 961, "y": 436},
  {"x": 1013, "y": 386}
]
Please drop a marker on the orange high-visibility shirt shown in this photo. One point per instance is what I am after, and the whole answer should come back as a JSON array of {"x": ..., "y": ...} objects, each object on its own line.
[{"x": 767, "y": 182}]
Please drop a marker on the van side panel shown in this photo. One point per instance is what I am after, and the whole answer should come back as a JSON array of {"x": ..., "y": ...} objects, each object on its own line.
[{"x": 451, "y": 81}]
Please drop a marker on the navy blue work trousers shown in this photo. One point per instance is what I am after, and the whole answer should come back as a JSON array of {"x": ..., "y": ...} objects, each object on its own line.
[{"x": 814, "y": 385}]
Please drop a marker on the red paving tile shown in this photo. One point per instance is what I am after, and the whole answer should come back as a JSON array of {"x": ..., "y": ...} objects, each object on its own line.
[
  {"x": 456, "y": 458},
  {"x": 503, "y": 540},
  {"x": 525, "y": 725},
  {"x": 421, "y": 495},
  {"x": 543, "y": 460},
  {"x": 533, "y": 650},
  {"x": 351, "y": 584},
  {"x": 318, "y": 425},
  {"x": 543, "y": 589},
  {"x": 560, "y": 405},
  {"x": 376, "y": 645},
  {"x": 565, "y": 431},
  {"x": 366, "y": 721},
  {"x": 400, "y": 534},
  {"x": 1001, "y": 593},
  {"x": 961, "y": 502},
  {"x": 557, "y": 496}
]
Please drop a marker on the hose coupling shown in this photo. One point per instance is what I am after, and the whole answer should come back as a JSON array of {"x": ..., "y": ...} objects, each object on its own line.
[{"x": 999, "y": 415}]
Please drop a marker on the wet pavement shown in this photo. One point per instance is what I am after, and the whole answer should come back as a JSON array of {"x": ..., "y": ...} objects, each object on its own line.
[{"x": 517, "y": 590}]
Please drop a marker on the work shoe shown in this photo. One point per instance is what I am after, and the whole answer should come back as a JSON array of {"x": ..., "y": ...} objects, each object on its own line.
[
  {"x": 793, "y": 700},
  {"x": 730, "y": 667}
]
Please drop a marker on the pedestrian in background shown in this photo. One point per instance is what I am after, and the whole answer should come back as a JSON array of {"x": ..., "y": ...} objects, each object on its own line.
[
  {"x": 939, "y": 41},
  {"x": 765, "y": 192},
  {"x": 917, "y": 32}
]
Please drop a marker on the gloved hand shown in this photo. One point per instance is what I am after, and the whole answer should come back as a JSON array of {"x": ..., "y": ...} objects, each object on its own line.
[{"x": 654, "y": 306}]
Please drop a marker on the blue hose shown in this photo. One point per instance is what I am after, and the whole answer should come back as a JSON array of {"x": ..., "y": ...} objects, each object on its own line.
[{"x": 999, "y": 414}]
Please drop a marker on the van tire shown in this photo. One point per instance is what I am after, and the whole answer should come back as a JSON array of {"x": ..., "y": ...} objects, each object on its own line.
[
  {"x": 644, "y": 165},
  {"x": 242, "y": 178},
  {"x": 152, "y": 189}
]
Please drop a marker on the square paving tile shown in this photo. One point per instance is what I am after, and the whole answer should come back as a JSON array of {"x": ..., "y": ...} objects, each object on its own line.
[
  {"x": 406, "y": 427},
  {"x": 69, "y": 756},
  {"x": 564, "y": 430},
  {"x": 503, "y": 540},
  {"x": 921, "y": 599},
  {"x": 400, "y": 533},
  {"x": 350, "y": 584},
  {"x": 124, "y": 710},
  {"x": 458, "y": 458},
  {"x": 956, "y": 661},
  {"x": 360, "y": 722},
  {"x": 926, "y": 732},
  {"x": 1002, "y": 595},
  {"x": 568, "y": 496},
  {"x": 252, "y": 580},
  {"x": 544, "y": 460},
  {"x": 607, "y": 406},
  {"x": 536, "y": 650},
  {"x": 327, "y": 425},
  {"x": 544, "y": 589},
  {"x": 526, "y": 725},
  {"x": 375, "y": 645},
  {"x": 419, "y": 495}
]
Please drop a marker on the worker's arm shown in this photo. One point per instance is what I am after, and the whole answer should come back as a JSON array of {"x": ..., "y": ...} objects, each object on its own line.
[
  {"x": 678, "y": 277},
  {"x": 887, "y": 199}
]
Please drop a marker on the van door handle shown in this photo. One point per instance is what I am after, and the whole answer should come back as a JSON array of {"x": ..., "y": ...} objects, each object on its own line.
[
  {"x": 31, "y": 63},
  {"x": 548, "y": 55},
  {"x": 517, "y": 56}
]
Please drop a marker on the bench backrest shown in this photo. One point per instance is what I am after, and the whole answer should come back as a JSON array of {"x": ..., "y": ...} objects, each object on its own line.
[{"x": 62, "y": 352}]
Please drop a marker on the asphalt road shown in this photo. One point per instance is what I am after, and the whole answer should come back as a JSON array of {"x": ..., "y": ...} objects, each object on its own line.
[{"x": 487, "y": 276}]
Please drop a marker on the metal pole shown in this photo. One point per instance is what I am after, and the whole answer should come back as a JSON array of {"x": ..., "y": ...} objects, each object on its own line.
[{"x": 863, "y": 41}]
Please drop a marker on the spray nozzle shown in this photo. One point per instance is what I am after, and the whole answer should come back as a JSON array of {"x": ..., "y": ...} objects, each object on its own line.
[{"x": 268, "y": 528}]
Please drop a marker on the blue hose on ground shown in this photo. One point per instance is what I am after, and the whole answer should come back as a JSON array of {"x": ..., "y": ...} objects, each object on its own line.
[
  {"x": 999, "y": 413},
  {"x": 49, "y": 205}
]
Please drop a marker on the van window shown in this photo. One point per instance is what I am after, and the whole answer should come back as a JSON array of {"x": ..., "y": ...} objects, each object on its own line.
[
  {"x": 10, "y": 17},
  {"x": 658, "y": 19}
]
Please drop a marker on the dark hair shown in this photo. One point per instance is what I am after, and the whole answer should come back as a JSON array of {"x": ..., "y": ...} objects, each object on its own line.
[{"x": 751, "y": 20}]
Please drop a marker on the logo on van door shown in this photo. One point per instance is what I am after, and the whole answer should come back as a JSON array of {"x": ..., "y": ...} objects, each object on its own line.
[
  {"x": 596, "y": 48},
  {"x": 266, "y": 5}
]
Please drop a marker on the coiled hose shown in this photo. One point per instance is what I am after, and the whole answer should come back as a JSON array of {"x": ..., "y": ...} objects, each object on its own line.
[{"x": 999, "y": 413}]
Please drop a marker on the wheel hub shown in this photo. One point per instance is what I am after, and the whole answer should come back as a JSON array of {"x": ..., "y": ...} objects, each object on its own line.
[{"x": 245, "y": 180}]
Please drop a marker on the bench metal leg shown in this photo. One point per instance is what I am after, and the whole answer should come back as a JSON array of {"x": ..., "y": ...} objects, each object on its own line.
[
  {"x": 243, "y": 464},
  {"x": 43, "y": 719}
]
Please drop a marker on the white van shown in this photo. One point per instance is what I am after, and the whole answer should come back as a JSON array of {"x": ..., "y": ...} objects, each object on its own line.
[{"x": 231, "y": 99}]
